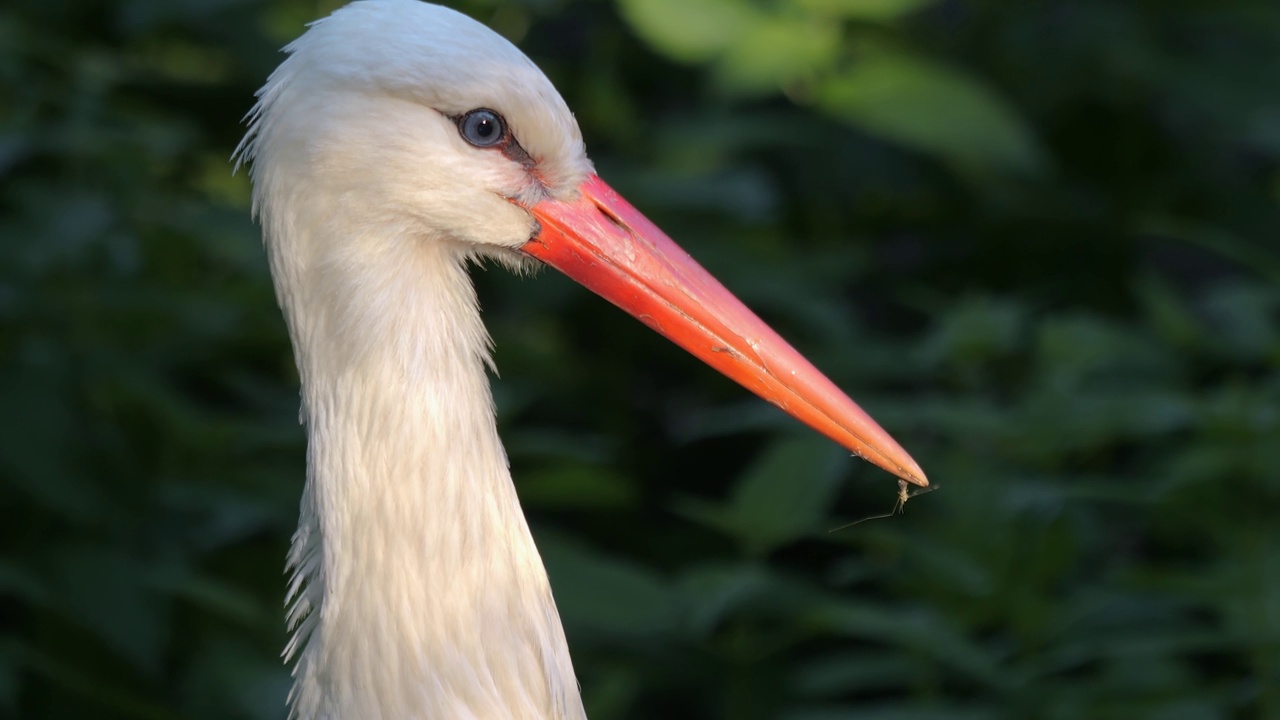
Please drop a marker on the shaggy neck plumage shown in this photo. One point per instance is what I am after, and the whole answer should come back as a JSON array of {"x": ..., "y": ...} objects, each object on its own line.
[{"x": 418, "y": 592}]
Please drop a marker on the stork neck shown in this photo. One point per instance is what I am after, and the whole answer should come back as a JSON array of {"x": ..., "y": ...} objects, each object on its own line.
[{"x": 419, "y": 593}]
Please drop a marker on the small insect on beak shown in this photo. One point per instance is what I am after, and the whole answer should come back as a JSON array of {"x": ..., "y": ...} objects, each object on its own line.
[{"x": 899, "y": 506}]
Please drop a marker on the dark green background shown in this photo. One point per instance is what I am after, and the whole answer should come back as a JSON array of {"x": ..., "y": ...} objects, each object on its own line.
[{"x": 1036, "y": 239}]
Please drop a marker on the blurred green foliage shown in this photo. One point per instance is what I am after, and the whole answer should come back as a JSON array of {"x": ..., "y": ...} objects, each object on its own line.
[{"x": 1036, "y": 239}]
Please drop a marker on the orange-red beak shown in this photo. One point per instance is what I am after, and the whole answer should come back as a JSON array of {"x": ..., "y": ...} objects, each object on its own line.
[{"x": 605, "y": 244}]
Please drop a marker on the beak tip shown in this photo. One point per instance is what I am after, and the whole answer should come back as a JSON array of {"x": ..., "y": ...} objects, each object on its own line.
[
  {"x": 908, "y": 469},
  {"x": 878, "y": 448},
  {"x": 899, "y": 464},
  {"x": 915, "y": 475}
]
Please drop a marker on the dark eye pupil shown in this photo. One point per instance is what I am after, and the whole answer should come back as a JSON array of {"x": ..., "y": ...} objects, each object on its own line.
[{"x": 482, "y": 128}]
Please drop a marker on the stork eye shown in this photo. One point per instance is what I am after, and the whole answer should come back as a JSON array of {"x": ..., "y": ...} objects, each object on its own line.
[{"x": 482, "y": 127}]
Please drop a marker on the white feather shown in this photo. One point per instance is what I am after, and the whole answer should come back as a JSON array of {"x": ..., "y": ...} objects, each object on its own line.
[{"x": 417, "y": 592}]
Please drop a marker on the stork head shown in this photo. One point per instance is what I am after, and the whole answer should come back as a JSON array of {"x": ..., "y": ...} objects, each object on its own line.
[
  {"x": 424, "y": 117},
  {"x": 396, "y": 118}
]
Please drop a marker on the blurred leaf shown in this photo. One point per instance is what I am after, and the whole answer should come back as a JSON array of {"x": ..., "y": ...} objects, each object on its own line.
[
  {"x": 920, "y": 632},
  {"x": 18, "y": 583},
  {"x": 10, "y": 677},
  {"x": 109, "y": 594},
  {"x": 229, "y": 670},
  {"x": 906, "y": 711},
  {"x": 72, "y": 683},
  {"x": 1167, "y": 313},
  {"x": 864, "y": 9},
  {"x": 576, "y": 486},
  {"x": 753, "y": 51},
  {"x": 694, "y": 31},
  {"x": 773, "y": 52},
  {"x": 935, "y": 109},
  {"x": 216, "y": 597},
  {"x": 604, "y": 595},
  {"x": 612, "y": 692},
  {"x": 1246, "y": 321},
  {"x": 973, "y": 333},
  {"x": 783, "y": 496},
  {"x": 576, "y": 447},
  {"x": 1075, "y": 351},
  {"x": 1254, "y": 257},
  {"x": 736, "y": 192},
  {"x": 715, "y": 593},
  {"x": 35, "y": 415},
  {"x": 847, "y": 672}
]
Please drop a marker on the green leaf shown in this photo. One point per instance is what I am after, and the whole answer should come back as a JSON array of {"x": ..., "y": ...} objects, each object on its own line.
[
  {"x": 897, "y": 711},
  {"x": 231, "y": 676},
  {"x": 783, "y": 496},
  {"x": 1251, "y": 254},
  {"x": 108, "y": 592},
  {"x": 753, "y": 50},
  {"x": 773, "y": 51},
  {"x": 17, "y": 582},
  {"x": 1166, "y": 312},
  {"x": 10, "y": 677},
  {"x": 1245, "y": 320},
  {"x": 571, "y": 485},
  {"x": 933, "y": 108},
  {"x": 606, "y": 595},
  {"x": 215, "y": 597},
  {"x": 872, "y": 10},
  {"x": 36, "y": 415},
  {"x": 975, "y": 331},
  {"x": 712, "y": 593},
  {"x": 838, "y": 674},
  {"x": 922, "y": 632},
  {"x": 688, "y": 30}
]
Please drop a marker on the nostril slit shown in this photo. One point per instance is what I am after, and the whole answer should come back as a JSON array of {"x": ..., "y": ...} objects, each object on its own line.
[{"x": 613, "y": 218}]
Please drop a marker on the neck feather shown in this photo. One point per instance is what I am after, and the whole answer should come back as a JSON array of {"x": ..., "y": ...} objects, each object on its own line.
[{"x": 417, "y": 591}]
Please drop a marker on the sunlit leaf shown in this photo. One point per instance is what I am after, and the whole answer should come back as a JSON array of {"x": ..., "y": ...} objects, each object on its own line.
[
  {"x": 933, "y": 108},
  {"x": 864, "y": 9},
  {"x": 688, "y": 30},
  {"x": 770, "y": 53}
]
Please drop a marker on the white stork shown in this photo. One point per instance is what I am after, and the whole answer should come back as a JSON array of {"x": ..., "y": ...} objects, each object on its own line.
[{"x": 397, "y": 143}]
